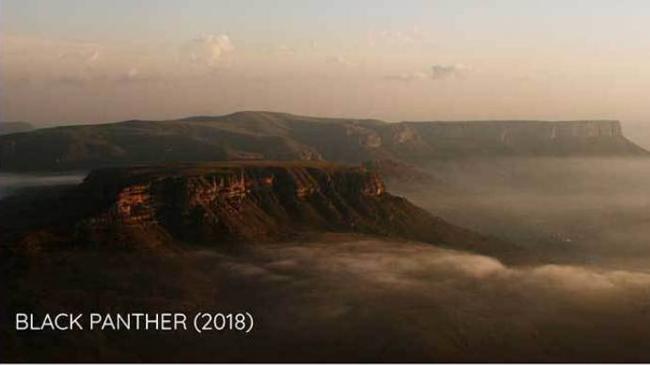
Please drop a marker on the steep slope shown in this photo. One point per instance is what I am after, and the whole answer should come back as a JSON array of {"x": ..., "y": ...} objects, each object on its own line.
[
  {"x": 217, "y": 204},
  {"x": 279, "y": 136}
]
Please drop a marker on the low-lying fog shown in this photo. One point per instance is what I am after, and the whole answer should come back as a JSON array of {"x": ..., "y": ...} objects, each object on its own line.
[
  {"x": 350, "y": 299},
  {"x": 581, "y": 294},
  {"x": 589, "y": 211},
  {"x": 11, "y": 183}
]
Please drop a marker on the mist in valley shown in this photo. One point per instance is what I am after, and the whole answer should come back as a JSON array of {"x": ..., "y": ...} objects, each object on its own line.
[
  {"x": 579, "y": 292},
  {"x": 341, "y": 298},
  {"x": 14, "y": 183},
  {"x": 589, "y": 211}
]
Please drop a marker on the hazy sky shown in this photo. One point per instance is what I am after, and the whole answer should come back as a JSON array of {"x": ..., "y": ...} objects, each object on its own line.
[{"x": 92, "y": 61}]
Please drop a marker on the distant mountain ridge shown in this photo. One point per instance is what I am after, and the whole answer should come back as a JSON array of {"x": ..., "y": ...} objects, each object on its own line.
[{"x": 281, "y": 136}]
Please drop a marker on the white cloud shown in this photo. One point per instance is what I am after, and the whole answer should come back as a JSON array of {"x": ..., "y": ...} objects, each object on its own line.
[
  {"x": 284, "y": 49},
  {"x": 340, "y": 60},
  {"x": 444, "y": 71},
  {"x": 134, "y": 75},
  {"x": 408, "y": 36},
  {"x": 133, "y": 72},
  {"x": 408, "y": 76},
  {"x": 94, "y": 56},
  {"x": 81, "y": 53},
  {"x": 208, "y": 50},
  {"x": 436, "y": 72}
]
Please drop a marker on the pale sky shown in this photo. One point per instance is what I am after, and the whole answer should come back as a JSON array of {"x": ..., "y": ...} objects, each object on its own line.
[{"x": 86, "y": 61}]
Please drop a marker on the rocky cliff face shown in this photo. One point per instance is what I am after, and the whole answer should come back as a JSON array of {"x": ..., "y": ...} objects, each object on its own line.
[
  {"x": 417, "y": 140},
  {"x": 503, "y": 131},
  {"x": 251, "y": 202},
  {"x": 217, "y": 204}
]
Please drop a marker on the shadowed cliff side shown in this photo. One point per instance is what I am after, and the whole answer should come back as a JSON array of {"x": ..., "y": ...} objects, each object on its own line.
[{"x": 224, "y": 203}]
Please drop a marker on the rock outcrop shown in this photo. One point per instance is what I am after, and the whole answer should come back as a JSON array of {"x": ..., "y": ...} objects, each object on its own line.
[{"x": 221, "y": 203}]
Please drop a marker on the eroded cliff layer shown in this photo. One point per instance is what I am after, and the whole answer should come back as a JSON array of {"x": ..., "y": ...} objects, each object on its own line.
[
  {"x": 221, "y": 203},
  {"x": 422, "y": 140}
]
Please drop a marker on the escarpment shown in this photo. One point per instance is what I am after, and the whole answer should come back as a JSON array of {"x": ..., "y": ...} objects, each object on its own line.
[
  {"x": 423, "y": 140},
  {"x": 280, "y": 136},
  {"x": 214, "y": 203},
  {"x": 254, "y": 202}
]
